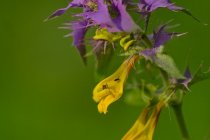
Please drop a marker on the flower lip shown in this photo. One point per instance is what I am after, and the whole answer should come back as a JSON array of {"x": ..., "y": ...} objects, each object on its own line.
[{"x": 111, "y": 88}]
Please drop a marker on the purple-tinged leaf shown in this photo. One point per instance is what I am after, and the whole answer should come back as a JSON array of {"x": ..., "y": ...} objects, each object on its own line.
[
  {"x": 124, "y": 20},
  {"x": 146, "y": 7},
  {"x": 61, "y": 11},
  {"x": 187, "y": 79},
  {"x": 161, "y": 36},
  {"x": 78, "y": 32}
]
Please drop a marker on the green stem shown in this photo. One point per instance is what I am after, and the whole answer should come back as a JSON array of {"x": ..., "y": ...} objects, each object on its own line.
[
  {"x": 181, "y": 122},
  {"x": 164, "y": 76},
  {"x": 146, "y": 40}
]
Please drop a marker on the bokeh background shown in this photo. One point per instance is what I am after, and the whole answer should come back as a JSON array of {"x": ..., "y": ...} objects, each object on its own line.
[{"x": 46, "y": 91}]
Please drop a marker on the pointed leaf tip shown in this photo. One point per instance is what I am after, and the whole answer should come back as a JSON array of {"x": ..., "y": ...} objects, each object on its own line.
[
  {"x": 200, "y": 75},
  {"x": 187, "y": 12}
]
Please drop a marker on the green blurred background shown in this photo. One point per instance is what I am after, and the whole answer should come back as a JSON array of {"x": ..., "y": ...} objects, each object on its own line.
[{"x": 46, "y": 91}]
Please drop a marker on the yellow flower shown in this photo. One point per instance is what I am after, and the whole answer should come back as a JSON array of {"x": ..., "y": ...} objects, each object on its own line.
[
  {"x": 110, "y": 89},
  {"x": 126, "y": 42},
  {"x": 104, "y": 34},
  {"x": 143, "y": 128}
]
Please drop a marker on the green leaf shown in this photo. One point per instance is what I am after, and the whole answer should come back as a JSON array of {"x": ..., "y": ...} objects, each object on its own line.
[
  {"x": 135, "y": 98},
  {"x": 200, "y": 75},
  {"x": 128, "y": 53},
  {"x": 103, "y": 60},
  {"x": 140, "y": 93},
  {"x": 166, "y": 63},
  {"x": 187, "y": 12}
]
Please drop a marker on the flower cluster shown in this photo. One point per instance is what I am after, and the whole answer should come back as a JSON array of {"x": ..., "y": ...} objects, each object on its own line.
[{"x": 159, "y": 82}]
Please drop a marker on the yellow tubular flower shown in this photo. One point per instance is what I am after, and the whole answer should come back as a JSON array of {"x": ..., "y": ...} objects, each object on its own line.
[
  {"x": 104, "y": 34},
  {"x": 110, "y": 89},
  {"x": 126, "y": 42},
  {"x": 143, "y": 128}
]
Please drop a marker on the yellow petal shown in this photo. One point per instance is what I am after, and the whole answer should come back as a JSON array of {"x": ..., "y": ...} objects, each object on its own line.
[
  {"x": 126, "y": 42},
  {"x": 104, "y": 34},
  {"x": 104, "y": 103},
  {"x": 143, "y": 128},
  {"x": 110, "y": 89}
]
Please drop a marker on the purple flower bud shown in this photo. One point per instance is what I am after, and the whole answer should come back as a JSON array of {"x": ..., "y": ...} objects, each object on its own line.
[
  {"x": 122, "y": 21},
  {"x": 97, "y": 13}
]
